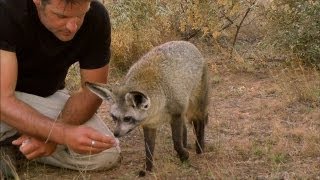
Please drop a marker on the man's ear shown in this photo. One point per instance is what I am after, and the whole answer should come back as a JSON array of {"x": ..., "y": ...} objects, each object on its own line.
[
  {"x": 37, "y": 2},
  {"x": 100, "y": 90}
]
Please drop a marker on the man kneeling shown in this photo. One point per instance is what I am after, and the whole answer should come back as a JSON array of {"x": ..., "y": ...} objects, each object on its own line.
[{"x": 39, "y": 41}]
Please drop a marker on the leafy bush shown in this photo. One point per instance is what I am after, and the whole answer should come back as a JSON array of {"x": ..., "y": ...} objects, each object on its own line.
[
  {"x": 139, "y": 25},
  {"x": 209, "y": 19},
  {"x": 295, "y": 26},
  {"x": 136, "y": 27}
]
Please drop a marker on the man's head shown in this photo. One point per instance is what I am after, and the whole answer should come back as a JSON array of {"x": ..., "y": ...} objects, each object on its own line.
[{"x": 62, "y": 17}]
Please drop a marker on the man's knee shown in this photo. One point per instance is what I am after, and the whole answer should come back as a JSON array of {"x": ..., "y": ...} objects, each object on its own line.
[
  {"x": 6, "y": 131},
  {"x": 65, "y": 158},
  {"x": 108, "y": 160}
]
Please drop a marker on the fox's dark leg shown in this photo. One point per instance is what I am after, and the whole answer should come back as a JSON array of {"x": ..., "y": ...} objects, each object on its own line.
[
  {"x": 199, "y": 126},
  {"x": 177, "y": 125},
  {"x": 200, "y": 119},
  {"x": 185, "y": 137},
  {"x": 149, "y": 139}
]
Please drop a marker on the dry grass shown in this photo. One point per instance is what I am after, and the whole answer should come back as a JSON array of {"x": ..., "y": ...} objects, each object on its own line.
[{"x": 8, "y": 164}]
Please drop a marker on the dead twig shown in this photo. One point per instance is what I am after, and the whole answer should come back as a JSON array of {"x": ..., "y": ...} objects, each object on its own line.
[{"x": 239, "y": 27}]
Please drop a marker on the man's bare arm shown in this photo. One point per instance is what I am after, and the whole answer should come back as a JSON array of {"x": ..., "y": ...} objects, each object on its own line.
[
  {"x": 17, "y": 113},
  {"x": 83, "y": 104},
  {"x": 32, "y": 123}
]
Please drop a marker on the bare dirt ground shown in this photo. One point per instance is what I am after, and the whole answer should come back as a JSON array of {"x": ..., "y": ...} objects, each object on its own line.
[{"x": 256, "y": 130}]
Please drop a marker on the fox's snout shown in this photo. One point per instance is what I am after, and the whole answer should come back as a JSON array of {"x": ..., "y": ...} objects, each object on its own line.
[{"x": 119, "y": 132}]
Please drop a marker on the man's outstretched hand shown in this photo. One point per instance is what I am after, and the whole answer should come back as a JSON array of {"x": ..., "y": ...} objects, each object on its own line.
[{"x": 86, "y": 140}]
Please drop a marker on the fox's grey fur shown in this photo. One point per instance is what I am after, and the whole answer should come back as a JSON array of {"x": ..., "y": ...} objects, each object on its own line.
[{"x": 168, "y": 84}]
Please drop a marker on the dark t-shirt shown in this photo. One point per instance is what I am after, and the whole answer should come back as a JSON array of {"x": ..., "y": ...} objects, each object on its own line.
[{"x": 44, "y": 60}]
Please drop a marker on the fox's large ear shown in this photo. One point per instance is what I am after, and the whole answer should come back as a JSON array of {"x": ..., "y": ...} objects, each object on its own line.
[
  {"x": 100, "y": 90},
  {"x": 137, "y": 100}
]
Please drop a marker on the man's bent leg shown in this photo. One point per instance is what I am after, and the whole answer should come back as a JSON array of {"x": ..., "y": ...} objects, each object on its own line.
[
  {"x": 6, "y": 131},
  {"x": 63, "y": 157}
]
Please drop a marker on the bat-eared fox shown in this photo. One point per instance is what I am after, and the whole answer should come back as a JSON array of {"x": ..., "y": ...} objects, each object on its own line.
[{"x": 168, "y": 84}]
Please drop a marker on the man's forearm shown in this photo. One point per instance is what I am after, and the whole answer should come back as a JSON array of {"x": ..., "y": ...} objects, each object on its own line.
[
  {"x": 29, "y": 121},
  {"x": 80, "y": 107}
]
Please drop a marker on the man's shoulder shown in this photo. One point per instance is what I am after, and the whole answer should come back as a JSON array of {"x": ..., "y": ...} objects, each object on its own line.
[
  {"x": 98, "y": 6},
  {"x": 15, "y": 6},
  {"x": 16, "y": 9},
  {"x": 97, "y": 18},
  {"x": 98, "y": 10},
  {"x": 13, "y": 14}
]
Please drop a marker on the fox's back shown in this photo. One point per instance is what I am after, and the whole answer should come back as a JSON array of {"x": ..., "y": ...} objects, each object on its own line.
[
  {"x": 168, "y": 84},
  {"x": 175, "y": 68}
]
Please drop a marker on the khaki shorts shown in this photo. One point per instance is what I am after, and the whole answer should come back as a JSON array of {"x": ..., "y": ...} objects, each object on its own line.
[{"x": 63, "y": 157}]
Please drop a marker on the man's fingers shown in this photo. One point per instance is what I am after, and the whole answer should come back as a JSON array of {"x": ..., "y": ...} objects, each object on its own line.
[
  {"x": 102, "y": 139},
  {"x": 100, "y": 145},
  {"x": 92, "y": 150},
  {"x": 33, "y": 155},
  {"x": 88, "y": 140},
  {"x": 17, "y": 142},
  {"x": 27, "y": 147},
  {"x": 89, "y": 150},
  {"x": 20, "y": 140},
  {"x": 93, "y": 147}
]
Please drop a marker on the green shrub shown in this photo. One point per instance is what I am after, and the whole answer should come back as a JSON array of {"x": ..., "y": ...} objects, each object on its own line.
[
  {"x": 209, "y": 19},
  {"x": 295, "y": 26},
  {"x": 137, "y": 26}
]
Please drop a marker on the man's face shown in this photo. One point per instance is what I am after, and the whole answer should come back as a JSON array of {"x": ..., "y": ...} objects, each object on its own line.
[{"x": 63, "y": 20}]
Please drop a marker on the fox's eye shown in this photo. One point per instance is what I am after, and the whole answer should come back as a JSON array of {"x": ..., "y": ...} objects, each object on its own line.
[
  {"x": 128, "y": 119},
  {"x": 114, "y": 118}
]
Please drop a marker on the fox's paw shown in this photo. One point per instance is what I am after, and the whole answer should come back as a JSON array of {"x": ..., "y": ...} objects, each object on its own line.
[
  {"x": 184, "y": 156},
  {"x": 199, "y": 149},
  {"x": 142, "y": 173}
]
